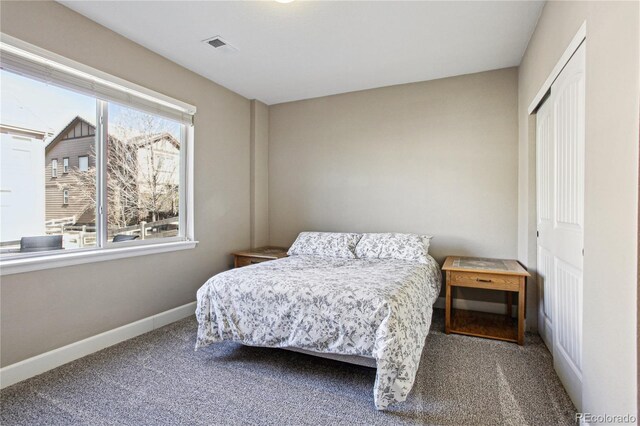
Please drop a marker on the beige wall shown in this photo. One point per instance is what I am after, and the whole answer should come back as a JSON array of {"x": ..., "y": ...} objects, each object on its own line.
[
  {"x": 437, "y": 157},
  {"x": 611, "y": 192},
  {"x": 44, "y": 310},
  {"x": 259, "y": 174}
]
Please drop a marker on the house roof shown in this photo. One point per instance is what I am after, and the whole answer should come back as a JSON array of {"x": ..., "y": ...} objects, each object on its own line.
[
  {"x": 66, "y": 130},
  {"x": 139, "y": 141},
  {"x": 34, "y": 133},
  {"x": 144, "y": 140}
]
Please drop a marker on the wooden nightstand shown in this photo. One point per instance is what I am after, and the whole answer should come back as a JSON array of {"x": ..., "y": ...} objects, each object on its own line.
[
  {"x": 262, "y": 254},
  {"x": 489, "y": 274}
]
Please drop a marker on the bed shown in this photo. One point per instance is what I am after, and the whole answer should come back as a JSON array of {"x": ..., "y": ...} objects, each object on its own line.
[{"x": 363, "y": 309}]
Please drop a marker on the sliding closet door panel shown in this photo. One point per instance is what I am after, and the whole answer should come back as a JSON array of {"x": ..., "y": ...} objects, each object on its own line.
[
  {"x": 545, "y": 209},
  {"x": 560, "y": 209},
  {"x": 568, "y": 93}
]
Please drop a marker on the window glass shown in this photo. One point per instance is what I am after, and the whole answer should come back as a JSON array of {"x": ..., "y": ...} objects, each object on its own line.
[
  {"x": 40, "y": 123},
  {"x": 143, "y": 175},
  {"x": 83, "y": 163}
]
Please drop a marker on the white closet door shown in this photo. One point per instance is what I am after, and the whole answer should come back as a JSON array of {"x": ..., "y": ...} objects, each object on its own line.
[
  {"x": 560, "y": 208},
  {"x": 545, "y": 208}
]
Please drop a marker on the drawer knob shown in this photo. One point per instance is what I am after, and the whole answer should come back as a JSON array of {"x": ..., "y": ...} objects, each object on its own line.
[{"x": 483, "y": 280}]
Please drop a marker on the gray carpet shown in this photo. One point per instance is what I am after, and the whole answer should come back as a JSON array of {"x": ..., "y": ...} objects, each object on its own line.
[{"x": 157, "y": 378}]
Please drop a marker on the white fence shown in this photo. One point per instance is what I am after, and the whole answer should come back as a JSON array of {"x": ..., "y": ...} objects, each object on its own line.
[{"x": 78, "y": 236}]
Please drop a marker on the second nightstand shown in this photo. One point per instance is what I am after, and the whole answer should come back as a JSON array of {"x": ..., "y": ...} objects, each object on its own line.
[
  {"x": 262, "y": 254},
  {"x": 489, "y": 274}
]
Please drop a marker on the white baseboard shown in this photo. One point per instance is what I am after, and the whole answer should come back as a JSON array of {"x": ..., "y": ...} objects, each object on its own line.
[
  {"x": 23, "y": 370},
  {"x": 476, "y": 305}
]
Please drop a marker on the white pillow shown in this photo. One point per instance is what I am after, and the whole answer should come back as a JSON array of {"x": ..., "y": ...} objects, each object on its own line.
[
  {"x": 412, "y": 247},
  {"x": 325, "y": 244}
]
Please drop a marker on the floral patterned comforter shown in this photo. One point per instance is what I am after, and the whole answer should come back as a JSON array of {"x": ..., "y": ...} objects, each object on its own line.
[{"x": 379, "y": 308}]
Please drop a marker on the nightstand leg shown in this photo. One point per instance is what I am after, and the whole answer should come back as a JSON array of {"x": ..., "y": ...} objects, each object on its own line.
[
  {"x": 521, "y": 306},
  {"x": 447, "y": 308}
]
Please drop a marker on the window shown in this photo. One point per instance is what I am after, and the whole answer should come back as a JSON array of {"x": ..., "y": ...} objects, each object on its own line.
[
  {"x": 132, "y": 184},
  {"x": 83, "y": 163},
  {"x": 143, "y": 174}
]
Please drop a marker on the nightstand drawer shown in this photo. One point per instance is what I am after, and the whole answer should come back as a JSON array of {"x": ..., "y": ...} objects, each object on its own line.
[
  {"x": 245, "y": 261},
  {"x": 482, "y": 280}
]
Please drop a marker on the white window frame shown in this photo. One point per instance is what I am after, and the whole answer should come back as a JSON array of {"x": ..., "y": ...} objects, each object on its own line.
[
  {"x": 65, "y": 165},
  {"x": 80, "y": 163},
  {"x": 54, "y": 168},
  {"x": 140, "y": 97},
  {"x": 65, "y": 197}
]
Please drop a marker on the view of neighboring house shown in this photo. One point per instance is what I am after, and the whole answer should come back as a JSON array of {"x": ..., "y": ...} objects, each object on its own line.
[
  {"x": 151, "y": 162},
  {"x": 158, "y": 158},
  {"x": 22, "y": 195},
  {"x": 68, "y": 151}
]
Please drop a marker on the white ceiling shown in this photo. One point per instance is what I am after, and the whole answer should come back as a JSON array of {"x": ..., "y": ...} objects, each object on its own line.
[{"x": 306, "y": 49}]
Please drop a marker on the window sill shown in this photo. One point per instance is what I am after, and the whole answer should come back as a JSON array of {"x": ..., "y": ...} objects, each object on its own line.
[{"x": 18, "y": 266}]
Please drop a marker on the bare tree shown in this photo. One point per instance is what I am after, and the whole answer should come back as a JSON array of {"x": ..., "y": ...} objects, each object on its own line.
[
  {"x": 157, "y": 165},
  {"x": 122, "y": 186}
]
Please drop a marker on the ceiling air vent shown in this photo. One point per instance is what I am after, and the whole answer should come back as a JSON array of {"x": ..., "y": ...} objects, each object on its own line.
[{"x": 219, "y": 43}]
